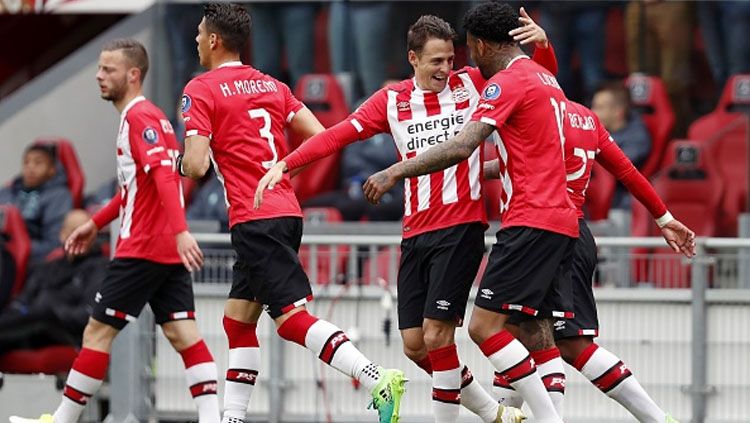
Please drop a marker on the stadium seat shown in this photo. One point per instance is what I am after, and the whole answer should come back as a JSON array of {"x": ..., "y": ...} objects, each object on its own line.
[
  {"x": 328, "y": 271},
  {"x": 18, "y": 244},
  {"x": 649, "y": 97},
  {"x": 322, "y": 94},
  {"x": 51, "y": 360},
  {"x": 691, "y": 187},
  {"x": 725, "y": 132},
  {"x": 68, "y": 158},
  {"x": 599, "y": 193},
  {"x": 382, "y": 262}
]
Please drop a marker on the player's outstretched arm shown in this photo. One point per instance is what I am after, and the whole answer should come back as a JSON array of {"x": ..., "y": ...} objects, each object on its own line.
[
  {"x": 194, "y": 162},
  {"x": 437, "y": 158}
]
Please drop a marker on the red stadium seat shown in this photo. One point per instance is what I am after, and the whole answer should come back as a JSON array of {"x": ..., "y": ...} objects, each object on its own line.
[
  {"x": 691, "y": 187},
  {"x": 52, "y": 360},
  {"x": 19, "y": 243},
  {"x": 382, "y": 262},
  {"x": 725, "y": 131},
  {"x": 329, "y": 269},
  {"x": 323, "y": 96},
  {"x": 649, "y": 97},
  {"x": 68, "y": 158},
  {"x": 599, "y": 193}
]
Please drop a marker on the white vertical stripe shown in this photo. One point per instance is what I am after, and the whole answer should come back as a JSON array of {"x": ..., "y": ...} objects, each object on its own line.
[
  {"x": 407, "y": 197},
  {"x": 475, "y": 168},
  {"x": 418, "y": 110},
  {"x": 203, "y": 372},
  {"x": 505, "y": 176},
  {"x": 80, "y": 382},
  {"x": 423, "y": 192},
  {"x": 450, "y": 188}
]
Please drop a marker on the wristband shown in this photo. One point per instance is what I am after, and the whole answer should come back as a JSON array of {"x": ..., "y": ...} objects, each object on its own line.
[
  {"x": 179, "y": 165},
  {"x": 663, "y": 220}
]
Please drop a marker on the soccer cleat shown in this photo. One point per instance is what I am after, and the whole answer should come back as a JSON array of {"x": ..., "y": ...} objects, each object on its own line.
[
  {"x": 507, "y": 414},
  {"x": 44, "y": 418},
  {"x": 386, "y": 396},
  {"x": 671, "y": 419}
]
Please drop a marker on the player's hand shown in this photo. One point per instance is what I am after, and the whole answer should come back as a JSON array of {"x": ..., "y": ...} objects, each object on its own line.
[
  {"x": 268, "y": 181},
  {"x": 377, "y": 185},
  {"x": 679, "y": 237},
  {"x": 81, "y": 239},
  {"x": 190, "y": 254},
  {"x": 530, "y": 32}
]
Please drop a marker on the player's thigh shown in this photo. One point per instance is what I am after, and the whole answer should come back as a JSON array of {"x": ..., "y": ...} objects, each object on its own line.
[
  {"x": 126, "y": 288},
  {"x": 275, "y": 275},
  {"x": 411, "y": 285},
  {"x": 454, "y": 257}
]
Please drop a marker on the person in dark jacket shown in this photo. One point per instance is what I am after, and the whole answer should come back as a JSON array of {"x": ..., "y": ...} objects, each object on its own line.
[
  {"x": 56, "y": 300},
  {"x": 41, "y": 195}
]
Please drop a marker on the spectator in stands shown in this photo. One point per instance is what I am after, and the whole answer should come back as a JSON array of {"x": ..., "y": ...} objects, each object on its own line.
[
  {"x": 611, "y": 103},
  {"x": 55, "y": 302},
  {"x": 659, "y": 37},
  {"x": 725, "y": 26},
  {"x": 577, "y": 26},
  {"x": 209, "y": 203},
  {"x": 284, "y": 29},
  {"x": 41, "y": 195},
  {"x": 356, "y": 31}
]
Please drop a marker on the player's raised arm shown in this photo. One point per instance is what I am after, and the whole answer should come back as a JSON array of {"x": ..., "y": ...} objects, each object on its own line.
[{"x": 439, "y": 157}]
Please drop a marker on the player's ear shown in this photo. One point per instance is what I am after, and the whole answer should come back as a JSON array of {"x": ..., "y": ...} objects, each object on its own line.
[
  {"x": 213, "y": 40},
  {"x": 134, "y": 75},
  {"x": 413, "y": 58}
]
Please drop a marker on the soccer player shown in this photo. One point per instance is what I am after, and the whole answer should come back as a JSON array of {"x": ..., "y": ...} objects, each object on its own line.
[
  {"x": 586, "y": 141},
  {"x": 154, "y": 250},
  {"x": 527, "y": 266},
  {"x": 237, "y": 116},
  {"x": 444, "y": 218}
]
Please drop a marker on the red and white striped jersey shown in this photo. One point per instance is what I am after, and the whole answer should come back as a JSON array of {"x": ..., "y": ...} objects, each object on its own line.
[
  {"x": 526, "y": 106},
  {"x": 418, "y": 120},
  {"x": 587, "y": 140},
  {"x": 145, "y": 140},
  {"x": 244, "y": 113}
]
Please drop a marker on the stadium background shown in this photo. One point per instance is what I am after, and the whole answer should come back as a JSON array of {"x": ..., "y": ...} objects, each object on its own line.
[{"x": 680, "y": 325}]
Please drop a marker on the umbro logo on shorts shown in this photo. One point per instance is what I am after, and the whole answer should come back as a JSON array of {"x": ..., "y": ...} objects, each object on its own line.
[
  {"x": 443, "y": 305},
  {"x": 98, "y": 297},
  {"x": 560, "y": 325},
  {"x": 487, "y": 293}
]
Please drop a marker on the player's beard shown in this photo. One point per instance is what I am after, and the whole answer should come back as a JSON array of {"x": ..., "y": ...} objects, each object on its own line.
[{"x": 116, "y": 92}]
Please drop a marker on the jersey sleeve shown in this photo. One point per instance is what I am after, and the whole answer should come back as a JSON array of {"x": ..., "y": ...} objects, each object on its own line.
[
  {"x": 291, "y": 104},
  {"x": 612, "y": 158},
  {"x": 476, "y": 77},
  {"x": 500, "y": 96},
  {"x": 197, "y": 109},
  {"x": 148, "y": 141},
  {"x": 371, "y": 117},
  {"x": 546, "y": 57}
]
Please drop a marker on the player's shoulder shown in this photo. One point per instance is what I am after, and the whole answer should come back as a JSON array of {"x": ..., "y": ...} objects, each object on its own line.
[
  {"x": 401, "y": 86},
  {"x": 144, "y": 110}
]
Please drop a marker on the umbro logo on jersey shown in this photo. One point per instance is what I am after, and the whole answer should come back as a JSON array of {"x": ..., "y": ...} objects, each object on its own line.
[
  {"x": 487, "y": 293},
  {"x": 403, "y": 106},
  {"x": 491, "y": 92},
  {"x": 460, "y": 94},
  {"x": 442, "y": 304}
]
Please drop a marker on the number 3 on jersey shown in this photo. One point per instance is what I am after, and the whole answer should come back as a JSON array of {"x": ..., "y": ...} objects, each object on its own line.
[{"x": 265, "y": 132}]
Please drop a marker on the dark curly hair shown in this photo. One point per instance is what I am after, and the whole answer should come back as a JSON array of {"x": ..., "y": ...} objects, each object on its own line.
[
  {"x": 426, "y": 27},
  {"x": 231, "y": 21},
  {"x": 492, "y": 21}
]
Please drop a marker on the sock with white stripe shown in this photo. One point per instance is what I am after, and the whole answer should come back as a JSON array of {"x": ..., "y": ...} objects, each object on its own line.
[
  {"x": 446, "y": 383},
  {"x": 549, "y": 364},
  {"x": 512, "y": 359},
  {"x": 475, "y": 398},
  {"x": 608, "y": 373},
  {"x": 201, "y": 375},
  {"x": 84, "y": 379},
  {"x": 331, "y": 345},
  {"x": 504, "y": 393},
  {"x": 243, "y": 366}
]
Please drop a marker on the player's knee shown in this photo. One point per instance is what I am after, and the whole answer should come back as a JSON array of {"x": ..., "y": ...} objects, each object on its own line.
[
  {"x": 181, "y": 334},
  {"x": 571, "y": 348},
  {"x": 413, "y": 345},
  {"x": 437, "y": 335},
  {"x": 478, "y": 332},
  {"x": 98, "y": 335}
]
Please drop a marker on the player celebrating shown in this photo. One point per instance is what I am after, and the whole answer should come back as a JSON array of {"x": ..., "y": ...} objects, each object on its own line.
[
  {"x": 587, "y": 140},
  {"x": 444, "y": 219},
  {"x": 528, "y": 264},
  {"x": 154, "y": 250},
  {"x": 238, "y": 115}
]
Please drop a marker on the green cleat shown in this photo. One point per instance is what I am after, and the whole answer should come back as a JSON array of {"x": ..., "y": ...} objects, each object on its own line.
[
  {"x": 507, "y": 414},
  {"x": 386, "y": 396},
  {"x": 44, "y": 418},
  {"x": 671, "y": 419}
]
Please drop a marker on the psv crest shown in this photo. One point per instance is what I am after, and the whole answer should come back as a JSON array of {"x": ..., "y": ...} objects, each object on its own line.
[{"x": 460, "y": 94}]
